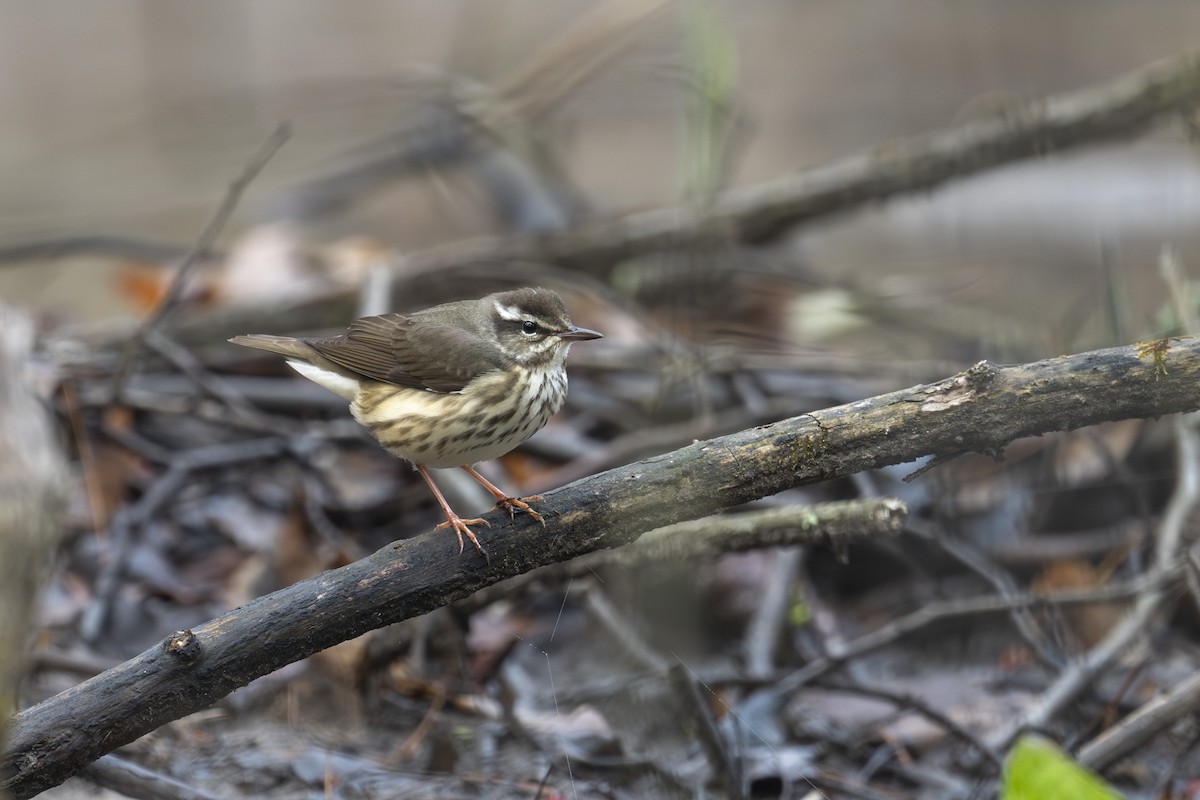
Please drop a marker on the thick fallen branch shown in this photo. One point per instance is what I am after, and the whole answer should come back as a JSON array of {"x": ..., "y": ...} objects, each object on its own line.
[{"x": 981, "y": 409}]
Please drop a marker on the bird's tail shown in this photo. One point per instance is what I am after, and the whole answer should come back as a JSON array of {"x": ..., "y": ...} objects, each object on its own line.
[
  {"x": 307, "y": 361},
  {"x": 285, "y": 346}
]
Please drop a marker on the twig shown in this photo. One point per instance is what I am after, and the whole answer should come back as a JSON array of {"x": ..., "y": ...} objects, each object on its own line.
[
  {"x": 408, "y": 748},
  {"x": 1064, "y": 546},
  {"x": 134, "y": 780},
  {"x": 310, "y": 488},
  {"x": 840, "y": 785},
  {"x": 833, "y": 524},
  {"x": 767, "y": 625},
  {"x": 934, "y": 613},
  {"x": 1193, "y": 576},
  {"x": 1171, "y": 774},
  {"x": 824, "y": 523},
  {"x": 1103, "y": 718},
  {"x": 216, "y": 411},
  {"x": 574, "y": 55},
  {"x": 924, "y": 709},
  {"x": 982, "y": 409},
  {"x": 541, "y": 787},
  {"x": 134, "y": 442},
  {"x": 209, "y": 236},
  {"x": 84, "y": 663},
  {"x": 114, "y": 246},
  {"x": 727, "y": 771},
  {"x": 276, "y": 393},
  {"x": 974, "y": 559},
  {"x": 1135, "y": 730},
  {"x": 634, "y": 644},
  {"x": 98, "y": 509}
]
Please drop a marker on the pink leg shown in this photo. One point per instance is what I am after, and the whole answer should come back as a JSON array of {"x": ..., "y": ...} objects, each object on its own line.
[{"x": 453, "y": 521}]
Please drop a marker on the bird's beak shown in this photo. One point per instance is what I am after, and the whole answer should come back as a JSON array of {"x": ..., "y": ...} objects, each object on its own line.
[{"x": 573, "y": 334}]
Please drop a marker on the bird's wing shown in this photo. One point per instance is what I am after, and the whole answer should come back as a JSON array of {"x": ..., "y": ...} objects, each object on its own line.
[{"x": 394, "y": 349}]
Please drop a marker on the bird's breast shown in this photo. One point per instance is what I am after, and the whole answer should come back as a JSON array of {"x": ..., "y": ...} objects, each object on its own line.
[{"x": 490, "y": 416}]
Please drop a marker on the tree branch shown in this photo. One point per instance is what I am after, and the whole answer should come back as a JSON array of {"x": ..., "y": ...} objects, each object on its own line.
[
  {"x": 760, "y": 213},
  {"x": 981, "y": 409}
]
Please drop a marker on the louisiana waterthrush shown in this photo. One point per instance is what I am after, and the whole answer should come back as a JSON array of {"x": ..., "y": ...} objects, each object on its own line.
[{"x": 450, "y": 385}]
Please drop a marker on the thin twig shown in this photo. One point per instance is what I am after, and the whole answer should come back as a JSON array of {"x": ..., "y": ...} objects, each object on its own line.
[
  {"x": 976, "y": 560},
  {"x": 834, "y": 523},
  {"x": 630, "y": 640},
  {"x": 924, "y": 709},
  {"x": 134, "y": 780},
  {"x": 726, "y": 769},
  {"x": 111, "y": 246},
  {"x": 203, "y": 245},
  {"x": 98, "y": 509},
  {"x": 766, "y": 627},
  {"x": 1135, "y": 730},
  {"x": 937, "y": 612}
]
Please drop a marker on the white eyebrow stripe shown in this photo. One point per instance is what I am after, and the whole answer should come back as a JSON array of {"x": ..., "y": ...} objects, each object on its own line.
[{"x": 509, "y": 313}]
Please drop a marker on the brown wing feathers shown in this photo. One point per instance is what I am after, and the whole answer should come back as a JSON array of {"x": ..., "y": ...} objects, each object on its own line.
[{"x": 408, "y": 352}]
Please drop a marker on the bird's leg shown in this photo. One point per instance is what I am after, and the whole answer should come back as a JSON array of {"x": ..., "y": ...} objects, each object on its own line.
[
  {"x": 513, "y": 504},
  {"x": 453, "y": 521}
]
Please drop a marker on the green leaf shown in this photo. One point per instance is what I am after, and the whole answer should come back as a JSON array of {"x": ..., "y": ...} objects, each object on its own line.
[{"x": 1037, "y": 770}]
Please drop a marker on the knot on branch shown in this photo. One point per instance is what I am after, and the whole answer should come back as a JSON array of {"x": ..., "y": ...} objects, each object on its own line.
[{"x": 183, "y": 645}]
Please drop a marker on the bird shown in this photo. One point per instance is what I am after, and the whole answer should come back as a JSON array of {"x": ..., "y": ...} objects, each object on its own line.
[{"x": 448, "y": 386}]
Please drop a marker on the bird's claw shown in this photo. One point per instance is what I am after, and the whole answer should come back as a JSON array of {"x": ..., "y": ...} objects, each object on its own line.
[
  {"x": 514, "y": 504},
  {"x": 462, "y": 527}
]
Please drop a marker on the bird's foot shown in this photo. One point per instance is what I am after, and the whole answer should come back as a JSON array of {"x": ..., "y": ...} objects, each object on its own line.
[
  {"x": 515, "y": 504},
  {"x": 461, "y": 528}
]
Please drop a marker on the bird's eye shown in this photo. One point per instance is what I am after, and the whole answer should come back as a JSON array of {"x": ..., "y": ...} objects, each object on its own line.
[{"x": 529, "y": 327}]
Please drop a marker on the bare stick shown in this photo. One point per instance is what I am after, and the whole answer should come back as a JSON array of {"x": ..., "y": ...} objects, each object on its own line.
[
  {"x": 1139, "y": 727},
  {"x": 937, "y": 612},
  {"x": 981, "y": 409},
  {"x": 203, "y": 245},
  {"x": 134, "y": 780},
  {"x": 833, "y": 524}
]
